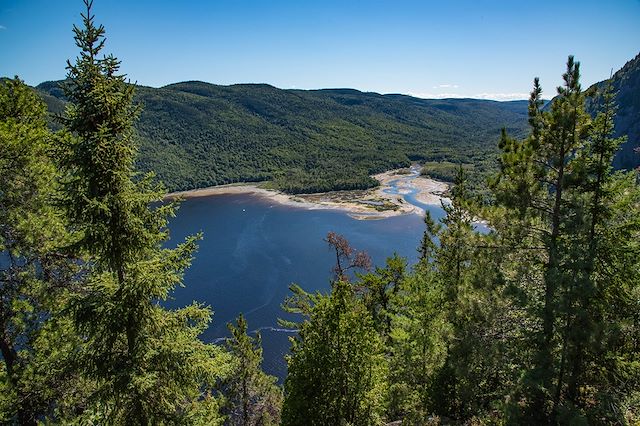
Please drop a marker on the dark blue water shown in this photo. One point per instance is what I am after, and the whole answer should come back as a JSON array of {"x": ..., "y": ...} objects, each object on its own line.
[{"x": 253, "y": 250}]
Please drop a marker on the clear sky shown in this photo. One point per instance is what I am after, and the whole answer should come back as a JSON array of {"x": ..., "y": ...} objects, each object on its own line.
[{"x": 448, "y": 48}]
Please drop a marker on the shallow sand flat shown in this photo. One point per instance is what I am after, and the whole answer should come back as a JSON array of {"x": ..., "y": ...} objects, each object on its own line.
[{"x": 359, "y": 204}]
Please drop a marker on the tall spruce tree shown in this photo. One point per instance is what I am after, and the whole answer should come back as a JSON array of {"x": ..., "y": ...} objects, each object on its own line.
[{"x": 147, "y": 361}]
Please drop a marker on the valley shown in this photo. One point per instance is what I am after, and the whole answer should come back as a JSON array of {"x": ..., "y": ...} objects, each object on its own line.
[{"x": 177, "y": 252}]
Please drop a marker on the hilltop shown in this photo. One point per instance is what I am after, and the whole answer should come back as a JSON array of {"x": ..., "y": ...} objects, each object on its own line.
[{"x": 196, "y": 134}]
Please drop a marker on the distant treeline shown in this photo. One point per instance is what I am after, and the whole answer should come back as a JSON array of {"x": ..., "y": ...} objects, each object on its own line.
[{"x": 196, "y": 134}]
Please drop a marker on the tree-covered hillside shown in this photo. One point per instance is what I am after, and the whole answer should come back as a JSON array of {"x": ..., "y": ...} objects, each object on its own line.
[{"x": 195, "y": 134}]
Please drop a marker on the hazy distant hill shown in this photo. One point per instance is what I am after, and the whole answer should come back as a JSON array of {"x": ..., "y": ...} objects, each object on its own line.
[
  {"x": 196, "y": 134},
  {"x": 626, "y": 82}
]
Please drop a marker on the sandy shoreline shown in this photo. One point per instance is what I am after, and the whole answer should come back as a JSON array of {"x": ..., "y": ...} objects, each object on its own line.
[{"x": 366, "y": 204}]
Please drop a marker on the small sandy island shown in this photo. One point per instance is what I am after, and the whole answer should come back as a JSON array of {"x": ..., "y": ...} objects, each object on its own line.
[{"x": 377, "y": 203}]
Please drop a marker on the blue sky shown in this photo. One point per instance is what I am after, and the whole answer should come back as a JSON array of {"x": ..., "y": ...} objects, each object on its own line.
[{"x": 471, "y": 48}]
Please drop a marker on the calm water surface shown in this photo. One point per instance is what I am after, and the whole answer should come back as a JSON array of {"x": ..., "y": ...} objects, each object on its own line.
[{"x": 253, "y": 250}]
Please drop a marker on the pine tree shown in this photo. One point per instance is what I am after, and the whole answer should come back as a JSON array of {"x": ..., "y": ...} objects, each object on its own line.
[
  {"x": 590, "y": 322},
  {"x": 539, "y": 170},
  {"x": 428, "y": 244},
  {"x": 35, "y": 274},
  {"x": 557, "y": 195},
  {"x": 455, "y": 266},
  {"x": 452, "y": 336},
  {"x": 337, "y": 371},
  {"x": 455, "y": 247},
  {"x": 253, "y": 398},
  {"x": 147, "y": 361}
]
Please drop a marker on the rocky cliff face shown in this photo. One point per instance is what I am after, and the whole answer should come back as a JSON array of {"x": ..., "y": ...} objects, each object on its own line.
[{"x": 626, "y": 82}]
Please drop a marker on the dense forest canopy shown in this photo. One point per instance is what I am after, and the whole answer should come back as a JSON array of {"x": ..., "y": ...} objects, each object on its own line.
[
  {"x": 196, "y": 134},
  {"x": 535, "y": 322}
]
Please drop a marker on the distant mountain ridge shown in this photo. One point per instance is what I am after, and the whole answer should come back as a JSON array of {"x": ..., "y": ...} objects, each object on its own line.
[{"x": 195, "y": 134}]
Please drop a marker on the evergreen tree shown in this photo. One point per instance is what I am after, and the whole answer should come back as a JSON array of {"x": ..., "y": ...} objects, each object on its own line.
[
  {"x": 337, "y": 371},
  {"x": 253, "y": 398},
  {"x": 538, "y": 188},
  {"x": 590, "y": 325},
  {"x": 455, "y": 241},
  {"x": 465, "y": 282},
  {"x": 35, "y": 275},
  {"x": 452, "y": 335},
  {"x": 428, "y": 244},
  {"x": 557, "y": 197},
  {"x": 416, "y": 344},
  {"x": 147, "y": 361},
  {"x": 418, "y": 347},
  {"x": 378, "y": 289}
]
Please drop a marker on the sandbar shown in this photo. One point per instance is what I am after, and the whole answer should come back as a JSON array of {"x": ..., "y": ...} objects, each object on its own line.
[{"x": 367, "y": 204}]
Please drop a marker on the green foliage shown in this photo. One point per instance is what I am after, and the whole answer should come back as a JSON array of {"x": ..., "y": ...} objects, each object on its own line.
[
  {"x": 378, "y": 289},
  {"x": 444, "y": 170},
  {"x": 35, "y": 276},
  {"x": 476, "y": 175},
  {"x": 558, "y": 198},
  {"x": 428, "y": 247},
  {"x": 194, "y": 134},
  {"x": 337, "y": 370},
  {"x": 533, "y": 322},
  {"x": 253, "y": 398},
  {"x": 445, "y": 361},
  {"x": 418, "y": 347},
  {"x": 148, "y": 365}
]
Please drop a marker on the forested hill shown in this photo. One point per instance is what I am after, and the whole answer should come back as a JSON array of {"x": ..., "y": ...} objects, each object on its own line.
[
  {"x": 626, "y": 82},
  {"x": 195, "y": 134}
]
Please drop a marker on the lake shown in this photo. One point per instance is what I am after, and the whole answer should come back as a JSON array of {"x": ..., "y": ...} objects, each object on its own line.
[{"x": 253, "y": 249}]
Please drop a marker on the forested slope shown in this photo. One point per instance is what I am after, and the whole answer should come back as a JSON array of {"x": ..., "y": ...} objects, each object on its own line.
[{"x": 195, "y": 134}]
